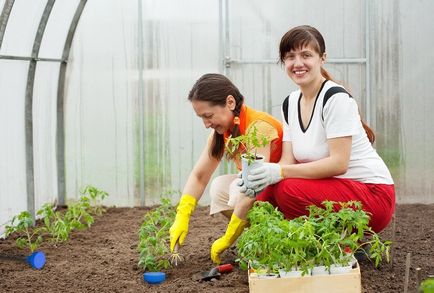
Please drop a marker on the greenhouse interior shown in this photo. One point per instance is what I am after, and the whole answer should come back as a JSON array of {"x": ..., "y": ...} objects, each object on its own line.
[{"x": 98, "y": 114}]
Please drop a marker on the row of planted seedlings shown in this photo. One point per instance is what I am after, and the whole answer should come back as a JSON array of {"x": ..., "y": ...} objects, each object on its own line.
[
  {"x": 55, "y": 225},
  {"x": 324, "y": 242},
  {"x": 154, "y": 239}
]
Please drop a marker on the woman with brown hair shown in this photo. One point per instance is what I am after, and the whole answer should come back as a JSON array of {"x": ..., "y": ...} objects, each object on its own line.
[
  {"x": 327, "y": 151},
  {"x": 220, "y": 105}
]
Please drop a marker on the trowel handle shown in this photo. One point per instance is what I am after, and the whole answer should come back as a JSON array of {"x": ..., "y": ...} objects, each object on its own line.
[{"x": 227, "y": 268}]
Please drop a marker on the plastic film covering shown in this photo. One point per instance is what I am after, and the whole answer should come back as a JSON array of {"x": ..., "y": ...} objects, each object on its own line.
[
  {"x": 44, "y": 133},
  {"x": 57, "y": 28},
  {"x": 21, "y": 28},
  {"x": 13, "y": 199},
  {"x": 129, "y": 126}
]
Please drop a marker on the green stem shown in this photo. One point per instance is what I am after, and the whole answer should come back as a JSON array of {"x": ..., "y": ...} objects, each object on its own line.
[{"x": 29, "y": 240}]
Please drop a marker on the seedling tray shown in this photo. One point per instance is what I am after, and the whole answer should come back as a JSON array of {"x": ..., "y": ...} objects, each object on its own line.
[{"x": 342, "y": 283}]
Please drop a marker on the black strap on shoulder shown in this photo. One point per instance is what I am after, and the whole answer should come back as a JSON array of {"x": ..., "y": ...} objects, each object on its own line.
[
  {"x": 329, "y": 93},
  {"x": 285, "y": 108}
]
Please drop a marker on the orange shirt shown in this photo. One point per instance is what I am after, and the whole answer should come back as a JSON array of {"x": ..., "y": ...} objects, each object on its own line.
[{"x": 249, "y": 117}]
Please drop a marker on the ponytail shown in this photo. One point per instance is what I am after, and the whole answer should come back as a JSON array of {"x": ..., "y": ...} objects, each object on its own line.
[
  {"x": 326, "y": 74},
  {"x": 369, "y": 132},
  {"x": 235, "y": 131}
]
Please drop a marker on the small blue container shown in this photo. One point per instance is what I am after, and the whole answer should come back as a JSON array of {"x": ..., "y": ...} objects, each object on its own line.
[
  {"x": 36, "y": 260},
  {"x": 154, "y": 277}
]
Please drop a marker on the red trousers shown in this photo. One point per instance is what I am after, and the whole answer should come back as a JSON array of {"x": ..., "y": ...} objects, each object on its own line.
[{"x": 292, "y": 196}]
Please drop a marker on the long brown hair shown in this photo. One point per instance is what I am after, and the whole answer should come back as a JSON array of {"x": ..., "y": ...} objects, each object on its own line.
[
  {"x": 215, "y": 88},
  {"x": 302, "y": 36}
]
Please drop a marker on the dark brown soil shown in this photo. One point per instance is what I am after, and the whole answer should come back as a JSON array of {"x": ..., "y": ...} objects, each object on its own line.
[{"x": 104, "y": 257}]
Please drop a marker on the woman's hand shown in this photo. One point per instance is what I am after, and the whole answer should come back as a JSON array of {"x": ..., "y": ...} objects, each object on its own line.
[
  {"x": 261, "y": 177},
  {"x": 267, "y": 174}
]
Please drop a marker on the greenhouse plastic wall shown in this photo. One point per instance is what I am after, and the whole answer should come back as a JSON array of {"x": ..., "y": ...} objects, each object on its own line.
[
  {"x": 129, "y": 128},
  {"x": 28, "y": 86},
  {"x": 13, "y": 197},
  {"x": 179, "y": 45}
]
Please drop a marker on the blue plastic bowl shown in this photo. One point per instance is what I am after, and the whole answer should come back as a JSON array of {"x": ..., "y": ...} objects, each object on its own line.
[
  {"x": 36, "y": 260},
  {"x": 154, "y": 277}
]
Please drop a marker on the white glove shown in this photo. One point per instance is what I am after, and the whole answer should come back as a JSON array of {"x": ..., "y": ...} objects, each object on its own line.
[
  {"x": 243, "y": 188},
  {"x": 267, "y": 174}
]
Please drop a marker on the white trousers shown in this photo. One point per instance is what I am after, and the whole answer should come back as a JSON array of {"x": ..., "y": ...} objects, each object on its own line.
[{"x": 224, "y": 193}]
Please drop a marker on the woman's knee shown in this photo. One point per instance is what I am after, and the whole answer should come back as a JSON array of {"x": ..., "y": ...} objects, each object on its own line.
[{"x": 217, "y": 188}]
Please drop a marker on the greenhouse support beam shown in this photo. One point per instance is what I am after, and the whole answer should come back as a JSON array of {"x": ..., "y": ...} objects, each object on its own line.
[
  {"x": 141, "y": 103},
  {"x": 4, "y": 18},
  {"x": 370, "y": 112},
  {"x": 229, "y": 61},
  {"x": 370, "y": 109},
  {"x": 60, "y": 128},
  {"x": 30, "y": 176},
  {"x": 23, "y": 58}
]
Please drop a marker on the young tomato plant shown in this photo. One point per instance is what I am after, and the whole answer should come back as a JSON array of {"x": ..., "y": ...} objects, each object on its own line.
[
  {"x": 246, "y": 145},
  {"x": 96, "y": 196},
  {"x": 349, "y": 226},
  {"x": 427, "y": 286},
  {"x": 327, "y": 236},
  {"x": 78, "y": 216},
  {"x": 54, "y": 223},
  {"x": 23, "y": 224},
  {"x": 154, "y": 253}
]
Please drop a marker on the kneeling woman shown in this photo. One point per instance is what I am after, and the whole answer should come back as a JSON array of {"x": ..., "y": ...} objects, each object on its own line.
[
  {"x": 218, "y": 102},
  {"x": 327, "y": 152}
]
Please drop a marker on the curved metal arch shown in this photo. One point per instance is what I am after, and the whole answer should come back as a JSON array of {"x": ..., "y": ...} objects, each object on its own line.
[
  {"x": 4, "y": 18},
  {"x": 60, "y": 129},
  {"x": 30, "y": 176}
]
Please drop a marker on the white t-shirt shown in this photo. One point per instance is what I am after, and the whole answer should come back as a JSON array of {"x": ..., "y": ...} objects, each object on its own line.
[{"x": 339, "y": 117}]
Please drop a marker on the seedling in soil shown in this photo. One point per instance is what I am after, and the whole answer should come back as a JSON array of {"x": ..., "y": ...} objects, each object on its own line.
[
  {"x": 78, "y": 214},
  {"x": 175, "y": 257},
  {"x": 154, "y": 238},
  {"x": 96, "y": 196},
  {"x": 23, "y": 223},
  {"x": 54, "y": 223}
]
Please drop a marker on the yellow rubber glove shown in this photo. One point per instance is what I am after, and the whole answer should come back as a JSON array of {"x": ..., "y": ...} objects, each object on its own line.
[
  {"x": 179, "y": 228},
  {"x": 235, "y": 228}
]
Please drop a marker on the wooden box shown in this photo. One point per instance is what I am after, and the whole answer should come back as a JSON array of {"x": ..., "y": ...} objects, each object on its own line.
[{"x": 342, "y": 283}]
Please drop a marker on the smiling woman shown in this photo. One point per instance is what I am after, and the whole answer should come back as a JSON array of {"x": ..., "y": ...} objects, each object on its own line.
[
  {"x": 327, "y": 151},
  {"x": 220, "y": 105}
]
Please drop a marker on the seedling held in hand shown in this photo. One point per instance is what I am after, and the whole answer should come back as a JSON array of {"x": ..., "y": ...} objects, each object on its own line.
[{"x": 246, "y": 145}]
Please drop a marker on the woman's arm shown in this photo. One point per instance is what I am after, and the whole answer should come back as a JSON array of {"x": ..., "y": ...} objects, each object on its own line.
[
  {"x": 287, "y": 157},
  {"x": 335, "y": 164},
  {"x": 201, "y": 173}
]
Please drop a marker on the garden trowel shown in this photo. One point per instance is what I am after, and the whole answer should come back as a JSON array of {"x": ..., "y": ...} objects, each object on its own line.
[
  {"x": 175, "y": 257},
  {"x": 216, "y": 272}
]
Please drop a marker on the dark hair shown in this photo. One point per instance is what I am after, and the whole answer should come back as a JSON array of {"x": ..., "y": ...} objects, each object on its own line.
[
  {"x": 215, "y": 88},
  {"x": 302, "y": 36}
]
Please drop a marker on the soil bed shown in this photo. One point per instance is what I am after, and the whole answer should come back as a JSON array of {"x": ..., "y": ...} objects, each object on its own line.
[{"x": 104, "y": 257}]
